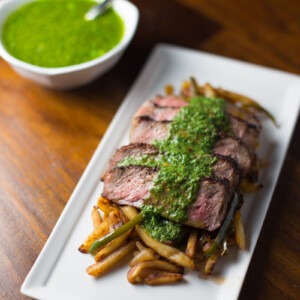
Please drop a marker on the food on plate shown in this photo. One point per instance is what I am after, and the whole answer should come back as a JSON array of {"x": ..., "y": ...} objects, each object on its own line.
[{"x": 176, "y": 188}]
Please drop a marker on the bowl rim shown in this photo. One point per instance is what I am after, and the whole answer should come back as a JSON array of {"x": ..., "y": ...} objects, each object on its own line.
[{"x": 127, "y": 36}]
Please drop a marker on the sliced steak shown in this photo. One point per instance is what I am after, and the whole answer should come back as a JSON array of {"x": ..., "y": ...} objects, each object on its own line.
[
  {"x": 210, "y": 207},
  {"x": 146, "y": 130},
  {"x": 169, "y": 101},
  {"x": 128, "y": 185},
  {"x": 132, "y": 150},
  {"x": 238, "y": 112},
  {"x": 247, "y": 132},
  {"x": 150, "y": 122},
  {"x": 131, "y": 186},
  {"x": 227, "y": 168},
  {"x": 237, "y": 150},
  {"x": 156, "y": 112}
]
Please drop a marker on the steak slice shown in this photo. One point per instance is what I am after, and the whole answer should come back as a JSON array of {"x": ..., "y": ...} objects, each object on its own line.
[
  {"x": 156, "y": 112},
  {"x": 247, "y": 132},
  {"x": 237, "y": 150},
  {"x": 128, "y": 185},
  {"x": 170, "y": 101},
  {"x": 210, "y": 207},
  {"x": 152, "y": 119},
  {"x": 146, "y": 130},
  {"x": 241, "y": 113},
  {"x": 132, "y": 150},
  {"x": 226, "y": 168}
]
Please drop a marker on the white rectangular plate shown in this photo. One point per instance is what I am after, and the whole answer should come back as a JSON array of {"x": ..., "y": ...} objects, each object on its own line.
[{"x": 59, "y": 272}]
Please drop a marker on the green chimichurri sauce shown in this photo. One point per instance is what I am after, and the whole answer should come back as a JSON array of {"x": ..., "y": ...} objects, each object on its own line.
[
  {"x": 55, "y": 34},
  {"x": 185, "y": 158},
  {"x": 161, "y": 229}
]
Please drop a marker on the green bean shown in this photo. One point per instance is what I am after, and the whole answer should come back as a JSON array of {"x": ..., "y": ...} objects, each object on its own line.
[
  {"x": 116, "y": 233},
  {"x": 222, "y": 234}
]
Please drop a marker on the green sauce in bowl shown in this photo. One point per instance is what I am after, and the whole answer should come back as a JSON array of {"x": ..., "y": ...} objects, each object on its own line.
[{"x": 55, "y": 34}]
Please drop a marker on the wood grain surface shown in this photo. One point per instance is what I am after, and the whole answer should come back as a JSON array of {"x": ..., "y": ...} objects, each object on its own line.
[{"x": 47, "y": 138}]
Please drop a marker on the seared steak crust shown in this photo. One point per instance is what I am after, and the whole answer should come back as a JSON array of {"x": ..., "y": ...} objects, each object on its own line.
[
  {"x": 246, "y": 131},
  {"x": 227, "y": 168},
  {"x": 234, "y": 148},
  {"x": 247, "y": 116}
]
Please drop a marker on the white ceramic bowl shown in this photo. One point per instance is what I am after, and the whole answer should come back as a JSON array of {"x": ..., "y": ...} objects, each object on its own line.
[{"x": 76, "y": 75}]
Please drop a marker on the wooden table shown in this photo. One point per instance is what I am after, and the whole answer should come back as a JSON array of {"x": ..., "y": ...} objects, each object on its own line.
[{"x": 48, "y": 137}]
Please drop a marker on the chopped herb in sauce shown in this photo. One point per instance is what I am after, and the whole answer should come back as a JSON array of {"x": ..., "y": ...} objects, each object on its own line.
[
  {"x": 55, "y": 33},
  {"x": 161, "y": 229}
]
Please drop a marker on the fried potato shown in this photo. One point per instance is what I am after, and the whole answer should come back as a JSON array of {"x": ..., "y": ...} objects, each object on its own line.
[
  {"x": 185, "y": 89},
  {"x": 192, "y": 243},
  {"x": 239, "y": 230},
  {"x": 104, "y": 205},
  {"x": 169, "y": 89},
  {"x": 166, "y": 251},
  {"x": 209, "y": 90},
  {"x": 194, "y": 88},
  {"x": 114, "y": 219},
  {"x": 143, "y": 255},
  {"x": 96, "y": 234},
  {"x": 138, "y": 272},
  {"x": 96, "y": 217},
  {"x": 112, "y": 246},
  {"x": 141, "y": 247},
  {"x": 163, "y": 278},
  {"x": 107, "y": 263},
  {"x": 210, "y": 264},
  {"x": 135, "y": 275},
  {"x": 129, "y": 211}
]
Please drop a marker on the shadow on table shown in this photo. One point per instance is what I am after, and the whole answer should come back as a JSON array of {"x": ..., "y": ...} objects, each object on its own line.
[{"x": 160, "y": 22}]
